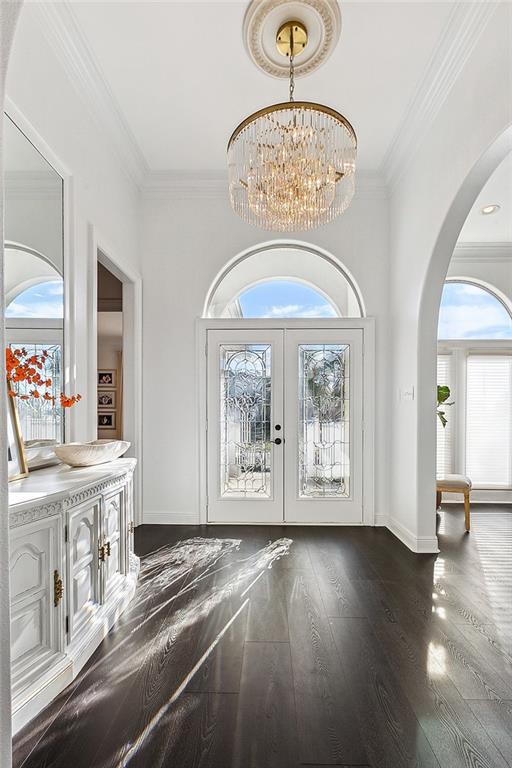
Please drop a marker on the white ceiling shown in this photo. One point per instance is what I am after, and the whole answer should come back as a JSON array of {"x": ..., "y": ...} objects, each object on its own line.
[
  {"x": 497, "y": 227},
  {"x": 182, "y": 80}
]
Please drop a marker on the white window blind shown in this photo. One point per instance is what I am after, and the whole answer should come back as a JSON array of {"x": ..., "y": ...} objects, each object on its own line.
[
  {"x": 445, "y": 434},
  {"x": 489, "y": 420}
]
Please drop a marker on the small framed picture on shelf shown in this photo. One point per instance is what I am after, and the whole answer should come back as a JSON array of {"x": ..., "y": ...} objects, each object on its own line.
[
  {"x": 107, "y": 420},
  {"x": 106, "y": 399},
  {"x": 107, "y": 378}
]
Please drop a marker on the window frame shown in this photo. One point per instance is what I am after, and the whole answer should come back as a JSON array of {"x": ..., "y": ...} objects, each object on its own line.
[
  {"x": 461, "y": 349},
  {"x": 500, "y": 297}
]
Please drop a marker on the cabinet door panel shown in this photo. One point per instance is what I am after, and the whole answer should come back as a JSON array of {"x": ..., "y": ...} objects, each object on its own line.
[
  {"x": 113, "y": 524},
  {"x": 83, "y": 594},
  {"x": 36, "y": 623},
  {"x": 29, "y": 633}
]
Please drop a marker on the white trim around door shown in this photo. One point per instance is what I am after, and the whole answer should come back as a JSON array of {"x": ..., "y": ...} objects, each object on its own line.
[{"x": 359, "y": 503}]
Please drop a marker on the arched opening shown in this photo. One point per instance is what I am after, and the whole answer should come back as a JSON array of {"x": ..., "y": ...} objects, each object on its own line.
[
  {"x": 444, "y": 248},
  {"x": 284, "y": 387},
  {"x": 286, "y": 278}
]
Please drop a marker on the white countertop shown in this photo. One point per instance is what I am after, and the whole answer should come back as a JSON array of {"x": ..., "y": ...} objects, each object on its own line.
[{"x": 60, "y": 481}]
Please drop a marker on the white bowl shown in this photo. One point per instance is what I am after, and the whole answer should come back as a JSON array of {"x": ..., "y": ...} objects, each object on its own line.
[
  {"x": 41, "y": 453},
  {"x": 89, "y": 454}
]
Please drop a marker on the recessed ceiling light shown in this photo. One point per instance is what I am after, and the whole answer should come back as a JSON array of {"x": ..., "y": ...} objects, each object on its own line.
[{"x": 488, "y": 209}]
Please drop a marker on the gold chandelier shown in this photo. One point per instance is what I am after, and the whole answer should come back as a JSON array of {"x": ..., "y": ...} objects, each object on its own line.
[{"x": 292, "y": 165}]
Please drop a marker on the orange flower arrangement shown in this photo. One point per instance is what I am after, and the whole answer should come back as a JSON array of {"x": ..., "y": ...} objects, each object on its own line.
[{"x": 21, "y": 367}]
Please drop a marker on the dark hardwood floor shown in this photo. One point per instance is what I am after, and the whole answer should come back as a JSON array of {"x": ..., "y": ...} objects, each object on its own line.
[{"x": 349, "y": 651}]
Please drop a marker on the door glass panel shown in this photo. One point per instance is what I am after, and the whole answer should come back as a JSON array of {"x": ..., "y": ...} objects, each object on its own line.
[
  {"x": 324, "y": 421},
  {"x": 39, "y": 417},
  {"x": 245, "y": 414}
]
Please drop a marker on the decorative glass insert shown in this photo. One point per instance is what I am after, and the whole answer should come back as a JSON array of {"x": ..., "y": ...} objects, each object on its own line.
[
  {"x": 245, "y": 416},
  {"x": 40, "y": 419},
  {"x": 324, "y": 421}
]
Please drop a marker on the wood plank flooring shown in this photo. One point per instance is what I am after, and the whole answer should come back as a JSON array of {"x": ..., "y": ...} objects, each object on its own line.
[{"x": 349, "y": 650}]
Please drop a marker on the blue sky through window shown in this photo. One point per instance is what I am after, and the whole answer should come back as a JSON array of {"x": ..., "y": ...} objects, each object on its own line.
[
  {"x": 470, "y": 312},
  {"x": 284, "y": 298},
  {"x": 42, "y": 300}
]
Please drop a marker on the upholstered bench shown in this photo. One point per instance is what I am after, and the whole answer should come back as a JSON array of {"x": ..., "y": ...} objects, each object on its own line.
[{"x": 455, "y": 484}]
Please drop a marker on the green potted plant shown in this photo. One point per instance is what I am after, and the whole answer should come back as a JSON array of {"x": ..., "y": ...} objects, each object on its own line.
[{"x": 443, "y": 393}]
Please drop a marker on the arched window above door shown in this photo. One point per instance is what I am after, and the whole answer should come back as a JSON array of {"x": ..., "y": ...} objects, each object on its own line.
[
  {"x": 470, "y": 310},
  {"x": 284, "y": 279},
  {"x": 282, "y": 299}
]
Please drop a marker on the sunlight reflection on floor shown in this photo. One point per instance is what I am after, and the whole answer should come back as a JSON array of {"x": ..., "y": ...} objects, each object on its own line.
[{"x": 232, "y": 579}]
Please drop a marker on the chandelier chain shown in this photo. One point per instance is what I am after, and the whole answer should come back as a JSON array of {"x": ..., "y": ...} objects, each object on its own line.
[{"x": 292, "y": 78}]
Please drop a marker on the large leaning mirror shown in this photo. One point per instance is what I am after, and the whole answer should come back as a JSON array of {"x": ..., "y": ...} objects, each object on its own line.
[{"x": 34, "y": 285}]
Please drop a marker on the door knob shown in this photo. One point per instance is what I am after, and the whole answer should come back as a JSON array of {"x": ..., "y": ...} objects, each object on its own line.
[
  {"x": 278, "y": 441},
  {"x": 277, "y": 427}
]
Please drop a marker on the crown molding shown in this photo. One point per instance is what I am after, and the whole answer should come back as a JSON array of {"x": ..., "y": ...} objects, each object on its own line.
[
  {"x": 60, "y": 26},
  {"x": 214, "y": 185},
  {"x": 496, "y": 252},
  {"x": 466, "y": 23},
  {"x": 185, "y": 185}
]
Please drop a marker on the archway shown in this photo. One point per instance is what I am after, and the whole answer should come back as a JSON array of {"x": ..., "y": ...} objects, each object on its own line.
[
  {"x": 429, "y": 316},
  {"x": 289, "y": 260}
]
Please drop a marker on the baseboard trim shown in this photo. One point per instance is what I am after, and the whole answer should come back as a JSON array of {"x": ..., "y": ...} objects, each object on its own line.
[
  {"x": 170, "y": 518},
  {"x": 380, "y": 520},
  {"x": 420, "y": 544}
]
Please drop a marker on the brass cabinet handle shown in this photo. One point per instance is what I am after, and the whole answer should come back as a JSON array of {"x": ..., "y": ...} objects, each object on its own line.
[
  {"x": 107, "y": 548},
  {"x": 102, "y": 552},
  {"x": 131, "y": 526},
  {"x": 58, "y": 588}
]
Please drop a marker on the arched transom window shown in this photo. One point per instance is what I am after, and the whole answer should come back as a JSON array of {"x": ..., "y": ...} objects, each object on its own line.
[
  {"x": 472, "y": 311},
  {"x": 283, "y": 298}
]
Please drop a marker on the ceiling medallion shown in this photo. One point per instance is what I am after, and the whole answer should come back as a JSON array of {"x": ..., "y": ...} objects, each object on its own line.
[
  {"x": 264, "y": 17},
  {"x": 292, "y": 165}
]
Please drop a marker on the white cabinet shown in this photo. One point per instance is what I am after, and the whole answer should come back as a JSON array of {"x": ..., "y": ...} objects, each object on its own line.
[
  {"x": 73, "y": 572},
  {"x": 113, "y": 543},
  {"x": 83, "y": 593},
  {"x": 36, "y": 611}
]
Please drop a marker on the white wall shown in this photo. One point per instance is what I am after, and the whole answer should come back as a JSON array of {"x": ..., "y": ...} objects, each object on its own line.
[
  {"x": 428, "y": 207},
  {"x": 35, "y": 219},
  {"x": 103, "y": 194},
  {"x": 489, "y": 263},
  {"x": 187, "y": 239}
]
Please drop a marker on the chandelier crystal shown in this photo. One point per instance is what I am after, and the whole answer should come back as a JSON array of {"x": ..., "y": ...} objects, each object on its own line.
[{"x": 292, "y": 165}]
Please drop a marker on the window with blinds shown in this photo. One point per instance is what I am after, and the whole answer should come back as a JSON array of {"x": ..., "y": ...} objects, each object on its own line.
[
  {"x": 445, "y": 444},
  {"x": 489, "y": 420}
]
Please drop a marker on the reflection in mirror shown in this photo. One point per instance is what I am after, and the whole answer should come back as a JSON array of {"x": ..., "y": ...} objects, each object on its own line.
[{"x": 34, "y": 285}]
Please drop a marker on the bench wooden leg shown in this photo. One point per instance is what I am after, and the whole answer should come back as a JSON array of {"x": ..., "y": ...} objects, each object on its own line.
[
  {"x": 439, "y": 497},
  {"x": 467, "y": 511}
]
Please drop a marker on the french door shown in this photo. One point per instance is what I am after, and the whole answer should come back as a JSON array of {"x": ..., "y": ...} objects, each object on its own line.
[{"x": 284, "y": 425}]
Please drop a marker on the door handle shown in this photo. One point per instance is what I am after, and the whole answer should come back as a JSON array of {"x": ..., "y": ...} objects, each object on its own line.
[
  {"x": 277, "y": 427},
  {"x": 277, "y": 441}
]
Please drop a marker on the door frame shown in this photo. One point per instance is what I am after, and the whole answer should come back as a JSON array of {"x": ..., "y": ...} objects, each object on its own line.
[
  {"x": 99, "y": 250},
  {"x": 366, "y": 324}
]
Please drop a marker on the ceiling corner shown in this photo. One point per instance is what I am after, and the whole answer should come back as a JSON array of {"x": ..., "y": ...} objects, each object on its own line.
[{"x": 59, "y": 24}]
